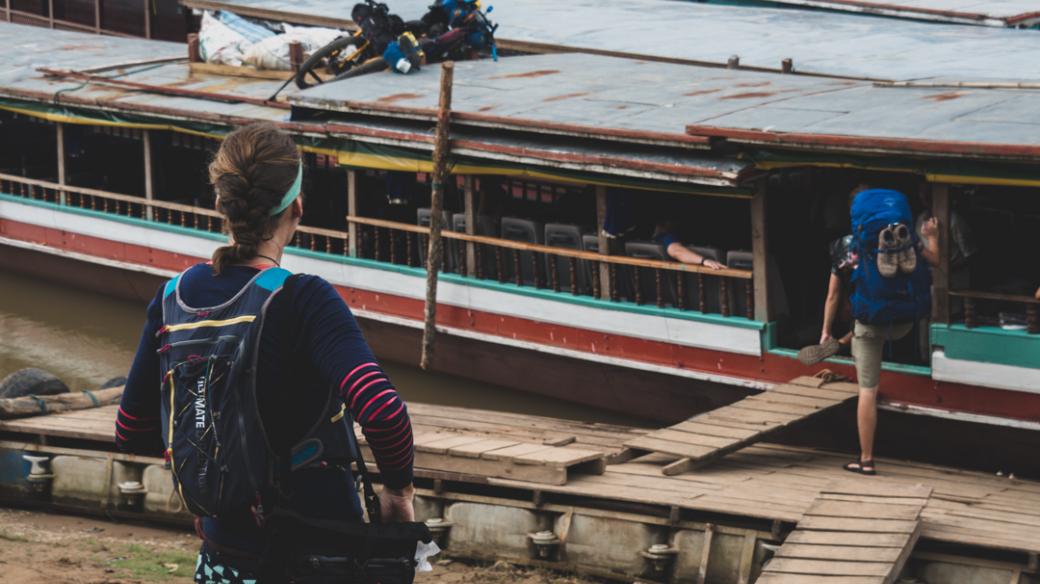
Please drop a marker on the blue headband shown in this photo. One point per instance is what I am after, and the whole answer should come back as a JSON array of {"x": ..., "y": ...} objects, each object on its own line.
[{"x": 291, "y": 194}]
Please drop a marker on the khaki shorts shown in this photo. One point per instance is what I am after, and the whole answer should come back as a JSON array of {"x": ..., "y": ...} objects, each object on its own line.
[{"x": 868, "y": 344}]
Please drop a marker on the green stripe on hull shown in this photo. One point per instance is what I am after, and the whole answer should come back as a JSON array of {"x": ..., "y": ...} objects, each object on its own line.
[{"x": 988, "y": 344}]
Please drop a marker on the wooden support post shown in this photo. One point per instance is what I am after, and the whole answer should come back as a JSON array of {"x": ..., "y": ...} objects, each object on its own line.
[
  {"x": 435, "y": 251},
  {"x": 59, "y": 130},
  {"x": 941, "y": 274},
  {"x": 602, "y": 242},
  {"x": 295, "y": 55},
  {"x": 702, "y": 570},
  {"x": 147, "y": 18},
  {"x": 760, "y": 253},
  {"x": 194, "y": 56},
  {"x": 97, "y": 16},
  {"x": 471, "y": 226},
  {"x": 7, "y": 9},
  {"x": 50, "y": 13},
  {"x": 149, "y": 183},
  {"x": 352, "y": 229},
  {"x": 747, "y": 557}
]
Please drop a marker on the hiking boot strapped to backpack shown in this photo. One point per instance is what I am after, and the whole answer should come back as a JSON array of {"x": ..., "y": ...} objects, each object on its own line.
[{"x": 889, "y": 284}]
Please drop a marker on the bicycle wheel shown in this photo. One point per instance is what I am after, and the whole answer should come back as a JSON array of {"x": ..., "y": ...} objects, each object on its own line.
[{"x": 311, "y": 64}]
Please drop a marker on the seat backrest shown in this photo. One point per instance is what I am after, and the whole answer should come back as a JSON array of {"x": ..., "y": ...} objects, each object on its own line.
[
  {"x": 567, "y": 236},
  {"x": 712, "y": 301},
  {"x": 739, "y": 260},
  {"x": 458, "y": 222},
  {"x": 645, "y": 280},
  {"x": 563, "y": 235},
  {"x": 590, "y": 242},
  {"x": 531, "y": 268}
]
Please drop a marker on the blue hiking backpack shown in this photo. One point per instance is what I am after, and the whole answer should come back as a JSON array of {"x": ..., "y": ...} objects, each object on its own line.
[
  {"x": 215, "y": 442},
  {"x": 876, "y": 299}
]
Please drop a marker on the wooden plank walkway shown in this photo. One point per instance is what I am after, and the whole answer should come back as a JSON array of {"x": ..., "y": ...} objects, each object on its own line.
[
  {"x": 712, "y": 435},
  {"x": 860, "y": 533},
  {"x": 448, "y": 440},
  {"x": 763, "y": 481}
]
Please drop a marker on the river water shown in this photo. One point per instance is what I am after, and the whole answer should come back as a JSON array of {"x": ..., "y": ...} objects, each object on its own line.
[{"x": 86, "y": 338}]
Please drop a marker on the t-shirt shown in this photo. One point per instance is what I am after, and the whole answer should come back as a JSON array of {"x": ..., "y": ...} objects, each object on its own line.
[{"x": 666, "y": 239}]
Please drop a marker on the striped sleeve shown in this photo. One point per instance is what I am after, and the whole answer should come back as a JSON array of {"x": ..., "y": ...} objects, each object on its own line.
[
  {"x": 137, "y": 427},
  {"x": 338, "y": 349}
]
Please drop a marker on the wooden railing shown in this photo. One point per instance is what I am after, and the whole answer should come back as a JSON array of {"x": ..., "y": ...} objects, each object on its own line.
[
  {"x": 683, "y": 286},
  {"x": 189, "y": 216},
  {"x": 972, "y": 298}
]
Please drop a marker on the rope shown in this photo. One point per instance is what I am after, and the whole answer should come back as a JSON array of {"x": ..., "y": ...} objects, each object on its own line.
[
  {"x": 93, "y": 398},
  {"x": 40, "y": 402}
]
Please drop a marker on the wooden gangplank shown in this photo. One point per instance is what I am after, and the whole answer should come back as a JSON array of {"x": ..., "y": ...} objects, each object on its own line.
[
  {"x": 712, "y": 435},
  {"x": 856, "y": 533}
]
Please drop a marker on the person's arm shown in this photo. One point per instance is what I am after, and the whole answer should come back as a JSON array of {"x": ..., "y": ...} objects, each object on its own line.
[
  {"x": 137, "y": 419},
  {"x": 341, "y": 355},
  {"x": 930, "y": 233},
  {"x": 681, "y": 253},
  {"x": 1038, "y": 294},
  {"x": 830, "y": 307}
]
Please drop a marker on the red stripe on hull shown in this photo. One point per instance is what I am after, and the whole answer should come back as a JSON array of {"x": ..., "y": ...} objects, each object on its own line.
[{"x": 895, "y": 387}]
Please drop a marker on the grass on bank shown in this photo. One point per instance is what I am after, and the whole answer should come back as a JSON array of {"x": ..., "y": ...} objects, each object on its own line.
[{"x": 155, "y": 565}]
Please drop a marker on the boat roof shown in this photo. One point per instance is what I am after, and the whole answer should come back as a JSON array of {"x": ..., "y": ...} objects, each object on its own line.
[
  {"x": 107, "y": 75},
  {"x": 626, "y": 99},
  {"x": 1012, "y": 13},
  {"x": 818, "y": 42}
]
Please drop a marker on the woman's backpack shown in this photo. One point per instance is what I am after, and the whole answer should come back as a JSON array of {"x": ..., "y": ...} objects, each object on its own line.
[{"x": 884, "y": 299}]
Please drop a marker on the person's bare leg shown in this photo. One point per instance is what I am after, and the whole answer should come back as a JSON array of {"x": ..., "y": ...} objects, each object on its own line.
[{"x": 866, "y": 419}]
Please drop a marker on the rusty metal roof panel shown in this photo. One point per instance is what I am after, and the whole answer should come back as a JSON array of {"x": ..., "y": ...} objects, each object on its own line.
[
  {"x": 818, "y": 42},
  {"x": 978, "y": 12},
  {"x": 641, "y": 101},
  {"x": 27, "y": 48}
]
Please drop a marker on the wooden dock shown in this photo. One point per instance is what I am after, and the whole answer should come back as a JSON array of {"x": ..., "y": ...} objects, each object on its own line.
[
  {"x": 712, "y": 435},
  {"x": 860, "y": 533},
  {"x": 764, "y": 484}
]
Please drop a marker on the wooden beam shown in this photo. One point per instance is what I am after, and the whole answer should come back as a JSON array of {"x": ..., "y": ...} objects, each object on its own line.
[
  {"x": 941, "y": 274},
  {"x": 59, "y": 130},
  {"x": 149, "y": 183},
  {"x": 602, "y": 242},
  {"x": 50, "y": 13},
  {"x": 471, "y": 225},
  {"x": 97, "y": 16},
  {"x": 147, "y": 18},
  {"x": 352, "y": 228},
  {"x": 435, "y": 252},
  {"x": 702, "y": 569},
  {"x": 760, "y": 253}
]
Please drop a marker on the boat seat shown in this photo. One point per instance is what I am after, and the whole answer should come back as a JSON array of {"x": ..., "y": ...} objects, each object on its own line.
[
  {"x": 645, "y": 280},
  {"x": 570, "y": 237},
  {"x": 422, "y": 219},
  {"x": 739, "y": 260},
  {"x": 527, "y": 231},
  {"x": 712, "y": 300}
]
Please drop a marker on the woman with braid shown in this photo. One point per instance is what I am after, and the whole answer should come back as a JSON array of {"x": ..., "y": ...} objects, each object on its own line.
[{"x": 298, "y": 350}]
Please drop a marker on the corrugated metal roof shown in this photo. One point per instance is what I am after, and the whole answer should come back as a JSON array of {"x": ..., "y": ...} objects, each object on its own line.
[
  {"x": 980, "y": 12},
  {"x": 145, "y": 90},
  {"x": 633, "y": 100},
  {"x": 28, "y": 47},
  {"x": 818, "y": 42}
]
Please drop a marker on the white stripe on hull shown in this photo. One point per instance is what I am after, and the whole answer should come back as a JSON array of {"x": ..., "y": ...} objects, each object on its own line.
[{"x": 984, "y": 374}]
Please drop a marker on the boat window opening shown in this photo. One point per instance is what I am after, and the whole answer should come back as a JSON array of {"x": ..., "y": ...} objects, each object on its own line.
[
  {"x": 993, "y": 277},
  {"x": 808, "y": 211},
  {"x": 107, "y": 158},
  {"x": 180, "y": 168},
  {"x": 30, "y": 148}
]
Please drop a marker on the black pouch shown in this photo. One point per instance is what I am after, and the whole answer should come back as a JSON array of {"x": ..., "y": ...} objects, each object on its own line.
[{"x": 323, "y": 551}]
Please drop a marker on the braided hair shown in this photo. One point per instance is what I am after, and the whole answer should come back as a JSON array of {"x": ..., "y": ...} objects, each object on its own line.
[{"x": 254, "y": 168}]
